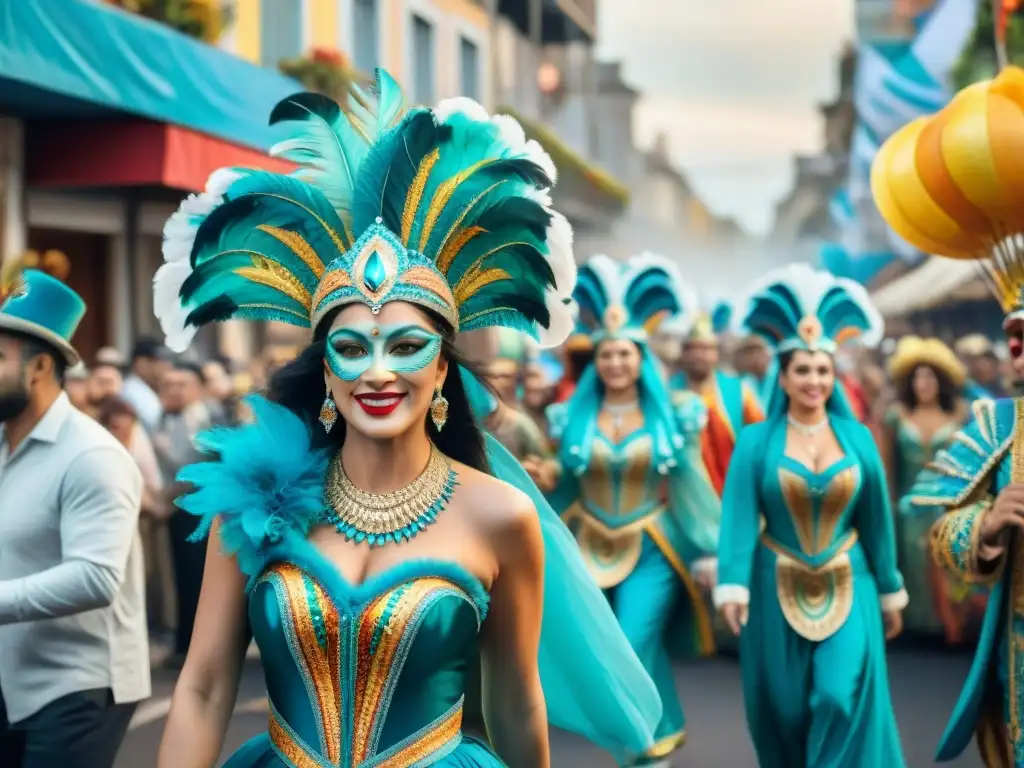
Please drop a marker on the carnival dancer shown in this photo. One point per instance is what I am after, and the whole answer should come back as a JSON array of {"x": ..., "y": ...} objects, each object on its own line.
[
  {"x": 730, "y": 401},
  {"x": 807, "y": 560},
  {"x": 74, "y": 647},
  {"x": 948, "y": 184},
  {"x": 929, "y": 382},
  {"x": 362, "y": 528},
  {"x": 632, "y": 485}
]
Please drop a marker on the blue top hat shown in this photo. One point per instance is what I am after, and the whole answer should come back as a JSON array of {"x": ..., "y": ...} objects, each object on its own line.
[{"x": 44, "y": 308}]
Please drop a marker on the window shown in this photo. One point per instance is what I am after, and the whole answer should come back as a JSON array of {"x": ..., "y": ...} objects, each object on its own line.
[
  {"x": 423, "y": 61},
  {"x": 365, "y": 35},
  {"x": 469, "y": 68},
  {"x": 280, "y": 31}
]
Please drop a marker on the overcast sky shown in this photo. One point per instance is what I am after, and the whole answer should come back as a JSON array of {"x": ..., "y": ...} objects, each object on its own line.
[{"x": 735, "y": 84}]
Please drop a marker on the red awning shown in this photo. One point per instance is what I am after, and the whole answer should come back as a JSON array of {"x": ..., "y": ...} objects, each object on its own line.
[{"x": 132, "y": 152}]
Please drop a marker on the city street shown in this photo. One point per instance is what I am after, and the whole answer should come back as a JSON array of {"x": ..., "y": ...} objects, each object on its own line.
[{"x": 925, "y": 685}]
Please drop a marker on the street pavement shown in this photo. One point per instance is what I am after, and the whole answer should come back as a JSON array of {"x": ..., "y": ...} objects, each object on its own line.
[{"x": 925, "y": 684}]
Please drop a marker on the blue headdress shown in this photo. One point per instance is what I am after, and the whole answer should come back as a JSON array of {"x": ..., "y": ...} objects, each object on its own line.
[
  {"x": 626, "y": 301},
  {"x": 721, "y": 317},
  {"x": 446, "y": 208},
  {"x": 629, "y": 300},
  {"x": 800, "y": 308}
]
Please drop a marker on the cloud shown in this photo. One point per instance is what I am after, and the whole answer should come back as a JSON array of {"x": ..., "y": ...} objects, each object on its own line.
[{"x": 735, "y": 84}]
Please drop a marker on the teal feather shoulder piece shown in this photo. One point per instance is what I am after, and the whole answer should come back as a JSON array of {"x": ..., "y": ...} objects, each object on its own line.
[
  {"x": 960, "y": 470},
  {"x": 691, "y": 413},
  {"x": 799, "y": 307},
  {"x": 447, "y": 208},
  {"x": 259, "y": 492},
  {"x": 628, "y": 299}
]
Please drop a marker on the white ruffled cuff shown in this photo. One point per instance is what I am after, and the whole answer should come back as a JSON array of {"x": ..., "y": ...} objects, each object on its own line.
[
  {"x": 730, "y": 593},
  {"x": 895, "y": 601},
  {"x": 704, "y": 565}
]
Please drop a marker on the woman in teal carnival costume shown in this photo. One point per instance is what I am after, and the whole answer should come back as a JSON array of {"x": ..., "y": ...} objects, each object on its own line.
[
  {"x": 632, "y": 484},
  {"x": 807, "y": 559},
  {"x": 401, "y": 228}
]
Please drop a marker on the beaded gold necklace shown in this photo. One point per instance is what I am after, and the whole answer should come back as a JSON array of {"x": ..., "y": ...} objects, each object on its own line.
[{"x": 381, "y": 518}]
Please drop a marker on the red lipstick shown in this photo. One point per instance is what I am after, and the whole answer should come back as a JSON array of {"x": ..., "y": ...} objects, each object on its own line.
[{"x": 380, "y": 404}]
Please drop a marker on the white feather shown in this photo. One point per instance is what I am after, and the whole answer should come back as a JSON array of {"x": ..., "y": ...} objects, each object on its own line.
[
  {"x": 460, "y": 105},
  {"x": 560, "y": 255},
  {"x": 562, "y": 322},
  {"x": 510, "y": 132},
  {"x": 179, "y": 237},
  {"x": 536, "y": 153},
  {"x": 809, "y": 286}
]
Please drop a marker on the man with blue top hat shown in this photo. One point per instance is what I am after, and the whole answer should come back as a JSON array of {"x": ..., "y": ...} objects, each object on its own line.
[{"x": 74, "y": 656}]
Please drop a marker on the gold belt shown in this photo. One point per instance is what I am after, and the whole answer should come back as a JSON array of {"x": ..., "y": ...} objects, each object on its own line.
[
  {"x": 815, "y": 602},
  {"x": 610, "y": 554},
  {"x": 437, "y": 739}
]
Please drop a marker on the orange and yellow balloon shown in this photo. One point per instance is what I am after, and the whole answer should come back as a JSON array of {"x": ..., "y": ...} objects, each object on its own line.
[{"x": 952, "y": 184}]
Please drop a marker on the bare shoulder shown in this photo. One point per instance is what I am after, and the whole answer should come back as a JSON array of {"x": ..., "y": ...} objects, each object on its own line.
[{"x": 496, "y": 507}]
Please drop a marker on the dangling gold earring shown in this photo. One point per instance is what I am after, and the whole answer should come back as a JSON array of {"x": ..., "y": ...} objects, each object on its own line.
[
  {"x": 328, "y": 411},
  {"x": 439, "y": 410}
]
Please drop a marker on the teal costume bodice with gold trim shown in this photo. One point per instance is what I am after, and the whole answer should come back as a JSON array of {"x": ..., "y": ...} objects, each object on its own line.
[
  {"x": 390, "y": 655},
  {"x": 622, "y": 493}
]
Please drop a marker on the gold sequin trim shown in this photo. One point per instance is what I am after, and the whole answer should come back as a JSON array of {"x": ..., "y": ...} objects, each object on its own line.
[
  {"x": 609, "y": 557},
  {"x": 415, "y": 194},
  {"x": 815, "y": 602},
  {"x": 339, "y": 278},
  {"x": 286, "y": 746},
  {"x": 428, "y": 744},
  {"x": 298, "y": 245}
]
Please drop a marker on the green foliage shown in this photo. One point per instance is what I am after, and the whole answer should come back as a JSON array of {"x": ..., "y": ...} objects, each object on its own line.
[
  {"x": 978, "y": 61},
  {"x": 203, "y": 19}
]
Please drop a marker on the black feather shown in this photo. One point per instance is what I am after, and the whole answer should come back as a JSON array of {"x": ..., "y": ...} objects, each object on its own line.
[
  {"x": 298, "y": 107},
  {"x": 214, "y": 311}
]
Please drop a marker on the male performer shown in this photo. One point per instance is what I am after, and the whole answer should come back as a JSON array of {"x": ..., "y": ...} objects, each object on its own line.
[
  {"x": 74, "y": 654},
  {"x": 730, "y": 401}
]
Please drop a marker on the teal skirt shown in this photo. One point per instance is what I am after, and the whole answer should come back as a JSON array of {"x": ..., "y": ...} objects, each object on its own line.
[{"x": 818, "y": 704}]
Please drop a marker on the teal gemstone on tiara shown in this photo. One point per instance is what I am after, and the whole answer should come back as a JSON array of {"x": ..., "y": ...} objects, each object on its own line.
[{"x": 375, "y": 273}]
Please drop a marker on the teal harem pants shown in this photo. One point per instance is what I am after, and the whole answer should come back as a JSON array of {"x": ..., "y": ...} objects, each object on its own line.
[
  {"x": 644, "y": 603},
  {"x": 818, "y": 704}
]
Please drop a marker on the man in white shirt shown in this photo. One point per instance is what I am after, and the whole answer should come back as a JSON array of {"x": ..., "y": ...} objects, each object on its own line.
[{"x": 74, "y": 657}]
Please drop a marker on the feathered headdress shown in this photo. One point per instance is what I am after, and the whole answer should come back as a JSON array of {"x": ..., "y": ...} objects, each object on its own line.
[
  {"x": 446, "y": 208},
  {"x": 721, "y": 317},
  {"x": 798, "y": 307},
  {"x": 631, "y": 299},
  {"x": 951, "y": 184}
]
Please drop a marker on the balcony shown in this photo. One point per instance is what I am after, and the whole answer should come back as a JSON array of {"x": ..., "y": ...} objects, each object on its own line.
[{"x": 561, "y": 21}]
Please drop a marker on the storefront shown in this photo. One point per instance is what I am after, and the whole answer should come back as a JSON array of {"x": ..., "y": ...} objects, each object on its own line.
[{"x": 106, "y": 122}]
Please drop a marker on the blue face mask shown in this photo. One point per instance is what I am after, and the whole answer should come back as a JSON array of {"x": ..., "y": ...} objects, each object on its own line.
[{"x": 401, "y": 349}]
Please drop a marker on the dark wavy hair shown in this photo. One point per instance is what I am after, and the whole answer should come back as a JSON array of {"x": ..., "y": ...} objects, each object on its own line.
[
  {"x": 299, "y": 386},
  {"x": 947, "y": 391}
]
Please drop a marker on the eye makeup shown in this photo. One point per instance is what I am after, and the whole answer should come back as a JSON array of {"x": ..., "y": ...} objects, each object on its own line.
[{"x": 402, "y": 349}]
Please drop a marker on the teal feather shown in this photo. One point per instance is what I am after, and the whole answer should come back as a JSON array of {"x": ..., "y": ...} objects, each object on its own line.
[
  {"x": 324, "y": 143},
  {"x": 379, "y": 108},
  {"x": 229, "y": 239},
  {"x": 390, "y": 169},
  {"x": 258, "y": 492}
]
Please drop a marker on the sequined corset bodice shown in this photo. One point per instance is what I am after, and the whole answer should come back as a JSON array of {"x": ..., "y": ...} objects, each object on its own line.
[
  {"x": 913, "y": 453},
  {"x": 621, "y": 485},
  {"x": 810, "y": 514},
  {"x": 365, "y": 676}
]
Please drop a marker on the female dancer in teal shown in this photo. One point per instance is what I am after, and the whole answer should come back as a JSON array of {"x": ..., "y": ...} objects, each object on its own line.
[
  {"x": 807, "y": 559},
  {"x": 929, "y": 381},
  {"x": 633, "y": 487},
  {"x": 363, "y": 530}
]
